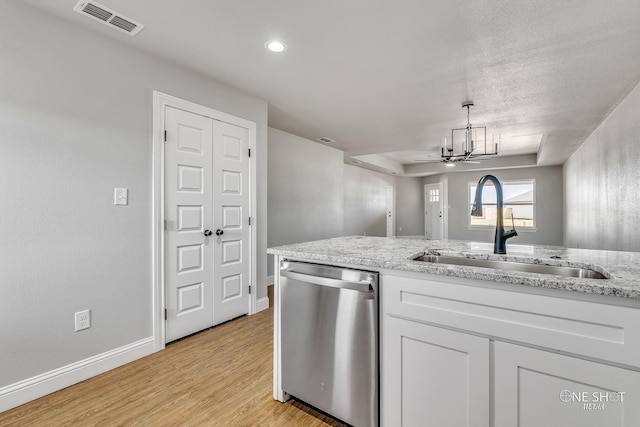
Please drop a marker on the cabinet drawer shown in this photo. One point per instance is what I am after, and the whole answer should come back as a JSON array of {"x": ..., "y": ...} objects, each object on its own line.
[{"x": 589, "y": 329}]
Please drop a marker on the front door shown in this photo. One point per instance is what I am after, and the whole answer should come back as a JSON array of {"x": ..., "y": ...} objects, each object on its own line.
[
  {"x": 433, "y": 211},
  {"x": 207, "y": 266}
]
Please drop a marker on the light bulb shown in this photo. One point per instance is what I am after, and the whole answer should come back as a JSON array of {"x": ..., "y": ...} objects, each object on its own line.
[{"x": 275, "y": 46}]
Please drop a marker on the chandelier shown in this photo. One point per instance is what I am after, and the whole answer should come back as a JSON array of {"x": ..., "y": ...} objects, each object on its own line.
[{"x": 468, "y": 143}]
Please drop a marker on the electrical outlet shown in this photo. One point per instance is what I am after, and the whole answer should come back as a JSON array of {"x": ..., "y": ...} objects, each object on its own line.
[{"x": 83, "y": 320}]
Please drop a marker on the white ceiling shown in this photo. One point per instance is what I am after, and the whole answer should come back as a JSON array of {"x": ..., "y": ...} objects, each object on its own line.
[{"x": 386, "y": 79}]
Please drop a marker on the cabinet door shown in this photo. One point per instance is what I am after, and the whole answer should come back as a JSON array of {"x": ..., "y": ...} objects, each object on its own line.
[
  {"x": 432, "y": 376},
  {"x": 536, "y": 388}
]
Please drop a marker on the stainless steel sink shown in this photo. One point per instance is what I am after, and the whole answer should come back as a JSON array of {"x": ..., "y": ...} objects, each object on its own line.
[{"x": 583, "y": 273}]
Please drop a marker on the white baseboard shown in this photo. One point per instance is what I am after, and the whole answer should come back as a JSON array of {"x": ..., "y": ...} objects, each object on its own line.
[
  {"x": 35, "y": 387},
  {"x": 262, "y": 304}
]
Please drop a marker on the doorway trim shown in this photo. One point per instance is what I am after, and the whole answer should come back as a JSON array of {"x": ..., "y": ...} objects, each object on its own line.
[{"x": 160, "y": 101}]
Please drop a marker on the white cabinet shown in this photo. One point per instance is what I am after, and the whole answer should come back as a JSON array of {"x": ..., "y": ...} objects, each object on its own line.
[
  {"x": 536, "y": 388},
  {"x": 433, "y": 377},
  {"x": 457, "y": 353}
]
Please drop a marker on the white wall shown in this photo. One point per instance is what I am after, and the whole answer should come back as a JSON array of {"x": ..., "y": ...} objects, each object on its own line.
[
  {"x": 75, "y": 122},
  {"x": 602, "y": 207},
  {"x": 365, "y": 201},
  {"x": 314, "y": 195},
  {"x": 305, "y": 182},
  {"x": 409, "y": 207},
  {"x": 548, "y": 204}
]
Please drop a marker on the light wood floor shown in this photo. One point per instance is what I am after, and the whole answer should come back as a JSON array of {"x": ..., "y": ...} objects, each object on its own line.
[{"x": 218, "y": 377}]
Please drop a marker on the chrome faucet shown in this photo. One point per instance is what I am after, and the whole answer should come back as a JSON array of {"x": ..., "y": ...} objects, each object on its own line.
[{"x": 500, "y": 243}]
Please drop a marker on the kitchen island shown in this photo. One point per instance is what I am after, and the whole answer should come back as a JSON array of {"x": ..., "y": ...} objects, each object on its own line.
[{"x": 462, "y": 345}]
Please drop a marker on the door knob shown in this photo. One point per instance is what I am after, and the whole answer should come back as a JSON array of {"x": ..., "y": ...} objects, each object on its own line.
[
  {"x": 219, "y": 232},
  {"x": 207, "y": 233}
]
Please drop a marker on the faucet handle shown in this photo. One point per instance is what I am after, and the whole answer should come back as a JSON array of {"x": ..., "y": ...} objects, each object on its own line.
[{"x": 512, "y": 232}]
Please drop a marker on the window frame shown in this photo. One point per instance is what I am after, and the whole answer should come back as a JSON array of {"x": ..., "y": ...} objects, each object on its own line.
[{"x": 507, "y": 221}]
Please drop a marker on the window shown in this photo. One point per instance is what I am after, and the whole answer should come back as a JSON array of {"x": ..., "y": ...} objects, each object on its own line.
[
  {"x": 433, "y": 195},
  {"x": 519, "y": 201}
]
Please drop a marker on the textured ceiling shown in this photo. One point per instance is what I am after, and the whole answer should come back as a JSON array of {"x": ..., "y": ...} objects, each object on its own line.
[{"x": 382, "y": 76}]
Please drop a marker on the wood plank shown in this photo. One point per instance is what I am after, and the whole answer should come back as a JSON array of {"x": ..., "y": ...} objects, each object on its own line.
[{"x": 219, "y": 377}]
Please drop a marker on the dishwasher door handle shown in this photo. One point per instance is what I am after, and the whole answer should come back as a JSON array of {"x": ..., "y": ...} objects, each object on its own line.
[{"x": 325, "y": 281}]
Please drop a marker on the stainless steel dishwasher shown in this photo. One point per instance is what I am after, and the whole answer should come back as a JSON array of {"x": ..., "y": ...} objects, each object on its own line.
[{"x": 329, "y": 339}]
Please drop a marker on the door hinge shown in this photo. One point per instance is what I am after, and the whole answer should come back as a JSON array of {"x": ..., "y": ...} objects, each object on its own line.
[
  {"x": 166, "y": 224},
  {"x": 165, "y": 136},
  {"x": 249, "y": 220},
  {"x": 165, "y": 314},
  {"x": 249, "y": 152},
  {"x": 249, "y": 289}
]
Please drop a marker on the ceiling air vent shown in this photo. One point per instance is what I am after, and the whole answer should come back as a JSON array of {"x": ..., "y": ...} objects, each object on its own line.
[
  {"x": 108, "y": 17},
  {"x": 325, "y": 139}
]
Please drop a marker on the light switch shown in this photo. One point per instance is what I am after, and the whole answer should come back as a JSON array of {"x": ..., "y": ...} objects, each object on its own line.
[{"x": 120, "y": 196}]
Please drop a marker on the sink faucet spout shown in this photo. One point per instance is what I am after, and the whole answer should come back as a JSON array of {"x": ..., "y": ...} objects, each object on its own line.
[{"x": 500, "y": 242}]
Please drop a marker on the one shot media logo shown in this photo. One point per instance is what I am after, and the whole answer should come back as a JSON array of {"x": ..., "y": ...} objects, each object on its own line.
[{"x": 592, "y": 400}]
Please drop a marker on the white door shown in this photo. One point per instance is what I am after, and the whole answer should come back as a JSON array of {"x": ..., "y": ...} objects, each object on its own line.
[
  {"x": 433, "y": 211},
  {"x": 202, "y": 271},
  {"x": 391, "y": 212},
  {"x": 231, "y": 272},
  {"x": 188, "y": 213}
]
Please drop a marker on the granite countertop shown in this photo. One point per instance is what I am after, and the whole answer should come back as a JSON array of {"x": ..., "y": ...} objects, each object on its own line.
[{"x": 622, "y": 268}]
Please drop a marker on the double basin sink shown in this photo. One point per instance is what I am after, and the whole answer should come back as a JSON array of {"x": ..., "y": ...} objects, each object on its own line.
[{"x": 557, "y": 270}]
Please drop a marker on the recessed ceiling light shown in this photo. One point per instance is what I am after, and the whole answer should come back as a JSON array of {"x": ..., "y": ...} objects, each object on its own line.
[
  {"x": 275, "y": 46},
  {"x": 449, "y": 164}
]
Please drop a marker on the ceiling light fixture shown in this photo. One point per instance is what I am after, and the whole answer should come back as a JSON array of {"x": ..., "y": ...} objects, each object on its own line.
[
  {"x": 275, "y": 46},
  {"x": 468, "y": 143}
]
